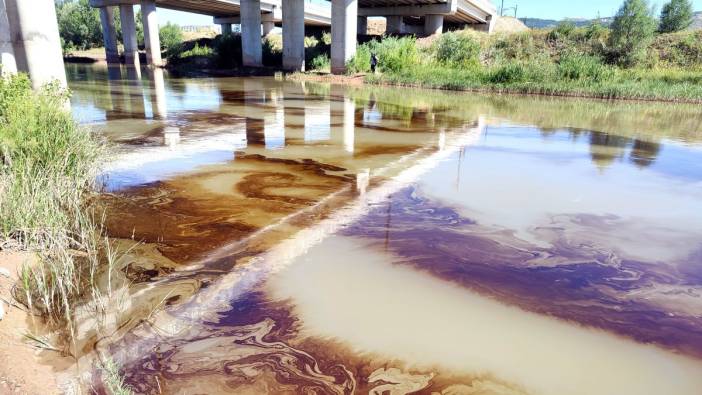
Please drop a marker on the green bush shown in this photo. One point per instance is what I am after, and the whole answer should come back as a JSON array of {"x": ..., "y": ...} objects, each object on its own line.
[
  {"x": 562, "y": 31},
  {"x": 575, "y": 66},
  {"x": 632, "y": 31},
  {"x": 320, "y": 63},
  {"x": 508, "y": 73},
  {"x": 197, "y": 50},
  {"x": 360, "y": 63},
  {"x": 517, "y": 46},
  {"x": 456, "y": 49},
  {"x": 171, "y": 37},
  {"x": 394, "y": 54}
]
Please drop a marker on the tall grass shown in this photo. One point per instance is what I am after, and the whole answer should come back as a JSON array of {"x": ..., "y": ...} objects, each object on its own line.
[
  {"x": 48, "y": 167},
  {"x": 564, "y": 61}
]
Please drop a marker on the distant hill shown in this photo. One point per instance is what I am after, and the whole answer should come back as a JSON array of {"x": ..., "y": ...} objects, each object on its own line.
[{"x": 537, "y": 23}]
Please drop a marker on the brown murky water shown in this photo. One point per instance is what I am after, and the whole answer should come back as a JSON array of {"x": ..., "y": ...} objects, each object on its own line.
[{"x": 285, "y": 237}]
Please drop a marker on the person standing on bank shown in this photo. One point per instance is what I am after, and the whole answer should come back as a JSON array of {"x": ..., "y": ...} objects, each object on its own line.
[{"x": 373, "y": 62}]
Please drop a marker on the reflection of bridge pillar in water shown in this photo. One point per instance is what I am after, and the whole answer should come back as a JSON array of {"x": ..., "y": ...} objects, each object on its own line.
[
  {"x": 171, "y": 136},
  {"x": 293, "y": 110},
  {"x": 362, "y": 181},
  {"x": 254, "y": 98},
  {"x": 342, "y": 117},
  {"x": 135, "y": 97},
  {"x": 158, "y": 94},
  {"x": 274, "y": 121}
]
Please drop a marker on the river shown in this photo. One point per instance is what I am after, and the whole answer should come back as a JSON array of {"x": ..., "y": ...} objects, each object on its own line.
[{"x": 295, "y": 237}]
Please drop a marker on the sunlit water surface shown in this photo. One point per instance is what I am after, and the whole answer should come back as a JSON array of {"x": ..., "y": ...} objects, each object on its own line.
[{"x": 306, "y": 238}]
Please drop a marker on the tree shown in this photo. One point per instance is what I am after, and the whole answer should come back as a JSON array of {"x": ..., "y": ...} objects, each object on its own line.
[
  {"x": 171, "y": 36},
  {"x": 676, "y": 16},
  {"x": 79, "y": 24},
  {"x": 632, "y": 31},
  {"x": 140, "y": 27}
]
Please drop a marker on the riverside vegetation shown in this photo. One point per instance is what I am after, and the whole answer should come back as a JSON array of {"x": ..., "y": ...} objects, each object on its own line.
[
  {"x": 629, "y": 59},
  {"x": 48, "y": 171},
  {"x": 636, "y": 57}
]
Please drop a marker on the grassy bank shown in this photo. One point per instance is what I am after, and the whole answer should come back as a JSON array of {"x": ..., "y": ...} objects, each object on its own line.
[
  {"x": 563, "y": 61},
  {"x": 48, "y": 165}
]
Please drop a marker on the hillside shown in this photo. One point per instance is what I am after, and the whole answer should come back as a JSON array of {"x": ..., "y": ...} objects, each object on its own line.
[{"x": 538, "y": 23}]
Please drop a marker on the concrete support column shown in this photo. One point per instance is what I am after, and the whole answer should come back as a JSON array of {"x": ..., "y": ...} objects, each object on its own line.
[
  {"x": 394, "y": 24},
  {"x": 267, "y": 27},
  {"x": 109, "y": 35},
  {"x": 267, "y": 23},
  {"x": 294, "y": 35},
  {"x": 131, "y": 50},
  {"x": 7, "y": 54},
  {"x": 35, "y": 40},
  {"x": 252, "y": 51},
  {"x": 226, "y": 28},
  {"x": 433, "y": 24},
  {"x": 152, "y": 43},
  {"x": 362, "y": 25},
  {"x": 344, "y": 19}
]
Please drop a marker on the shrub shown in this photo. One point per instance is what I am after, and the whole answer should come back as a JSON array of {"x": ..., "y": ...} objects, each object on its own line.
[
  {"x": 632, "y": 31},
  {"x": 562, "y": 31},
  {"x": 575, "y": 66},
  {"x": 320, "y": 62},
  {"x": 197, "y": 50},
  {"x": 171, "y": 37},
  {"x": 360, "y": 63},
  {"x": 507, "y": 73},
  {"x": 676, "y": 16},
  {"x": 228, "y": 50},
  {"x": 48, "y": 166},
  {"x": 456, "y": 49},
  {"x": 394, "y": 54},
  {"x": 518, "y": 46}
]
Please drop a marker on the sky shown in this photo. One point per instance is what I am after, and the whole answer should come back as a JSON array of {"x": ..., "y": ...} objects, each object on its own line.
[{"x": 545, "y": 9}]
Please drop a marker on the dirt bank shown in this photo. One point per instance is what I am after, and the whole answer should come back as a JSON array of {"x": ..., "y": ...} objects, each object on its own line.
[{"x": 26, "y": 366}]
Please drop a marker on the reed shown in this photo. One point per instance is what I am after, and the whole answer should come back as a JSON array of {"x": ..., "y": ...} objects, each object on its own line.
[{"x": 48, "y": 169}]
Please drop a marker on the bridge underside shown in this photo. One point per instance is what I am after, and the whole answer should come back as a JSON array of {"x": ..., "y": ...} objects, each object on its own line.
[{"x": 347, "y": 19}]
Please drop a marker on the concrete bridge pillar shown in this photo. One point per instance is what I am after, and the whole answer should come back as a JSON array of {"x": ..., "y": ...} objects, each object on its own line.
[
  {"x": 226, "y": 28},
  {"x": 152, "y": 43},
  {"x": 343, "y": 27},
  {"x": 129, "y": 38},
  {"x": 294, "y": 35},
  {"x": 35, "y": 40},
  {"x": 433, "y": 24},
  {"x": 394, "y": 24},
  {"x": 109, "y": 35},
  {"x": 362, "y": 25},
  {"x": 7, "y": 54},
  {"x": 252, "y": 51},
  {"x": 267, "y": 24}
]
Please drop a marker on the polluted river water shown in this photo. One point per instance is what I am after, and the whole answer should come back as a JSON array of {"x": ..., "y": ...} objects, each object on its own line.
[{"x": 290, "y": 237}]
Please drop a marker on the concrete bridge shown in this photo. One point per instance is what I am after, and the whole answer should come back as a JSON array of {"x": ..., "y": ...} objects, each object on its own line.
[{"x": 29, "y": 38}]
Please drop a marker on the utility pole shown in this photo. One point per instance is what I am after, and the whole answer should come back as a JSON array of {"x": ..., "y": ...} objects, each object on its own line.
[{"x": 502, "y": 7}]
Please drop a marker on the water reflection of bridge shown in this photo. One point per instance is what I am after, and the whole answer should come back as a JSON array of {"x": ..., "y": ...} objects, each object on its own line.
[{"x": 265, "y": 112}]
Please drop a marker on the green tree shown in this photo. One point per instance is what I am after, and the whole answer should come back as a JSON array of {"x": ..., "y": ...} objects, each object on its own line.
[
  {"x": 676, "y": 16},
  {"x": 79, "y": 24},
  {"x": 140, "y": 27},
  {"x": 632, "y": 31},
  {"x": 171, "y": 36}
]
